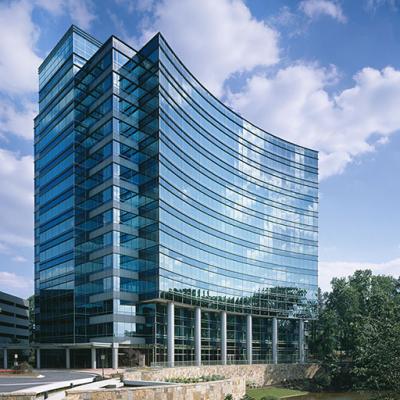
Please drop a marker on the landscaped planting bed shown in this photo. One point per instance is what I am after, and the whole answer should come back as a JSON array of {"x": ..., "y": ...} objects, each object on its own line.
[{"x": 203, "y": 378}]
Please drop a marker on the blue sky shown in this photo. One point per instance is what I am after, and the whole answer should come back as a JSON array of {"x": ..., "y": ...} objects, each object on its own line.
[{"x": 323, "y": 73}]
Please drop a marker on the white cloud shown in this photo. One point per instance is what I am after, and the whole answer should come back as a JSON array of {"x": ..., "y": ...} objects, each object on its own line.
[
  {"x": 18, "y": 68},
  {"x": 122, "y": 31},
  {"x": 138, "y": 5},
  {"x": 19, "y": 259},
  {"x": 16, "y": 200},
  {"x": 3, "y": 249},
  {"x": 295, "y": 104},
  {"x": 17, "y": 284},
  {"x": 373, "y": 5},
  {"x": 17, "y": 121},
  {"x": 18, "y": 80},
  {"x": 317, "y": 8},
  {"x": 19, "y": 62},
  {"x": 341, "y": 269},
  {"x": 294, "y": 22},
  {"x": 80, "y": 11},
  {"x": 223, "y": 38},
  {"x": 215, "y": 39}
]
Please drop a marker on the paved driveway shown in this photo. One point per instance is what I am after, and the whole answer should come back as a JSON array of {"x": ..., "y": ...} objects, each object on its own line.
[{"x": 12, "y": 383}]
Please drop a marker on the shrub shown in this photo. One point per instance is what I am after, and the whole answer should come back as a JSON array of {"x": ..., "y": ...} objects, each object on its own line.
[
  {"x": 228, "y": 397},
  {"x": 247, "y": 397},
  {"x": 203, "y": 378},
  {"x": 385, "y": 396},
  {"x": 22, "y": 367}
]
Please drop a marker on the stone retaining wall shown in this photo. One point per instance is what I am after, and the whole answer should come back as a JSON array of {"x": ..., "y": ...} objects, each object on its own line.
[
  {"x": 216, "y": 390},
  {"x": 256, "y": 375}
]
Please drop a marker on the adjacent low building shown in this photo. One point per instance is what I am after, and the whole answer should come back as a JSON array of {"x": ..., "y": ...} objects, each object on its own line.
[
  {"x": 14, "y": 330},
  {"x": 168, "y": 229}
]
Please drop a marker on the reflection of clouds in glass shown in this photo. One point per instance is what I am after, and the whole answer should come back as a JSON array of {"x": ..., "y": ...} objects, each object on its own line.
[{"x": 236, "y": 209}]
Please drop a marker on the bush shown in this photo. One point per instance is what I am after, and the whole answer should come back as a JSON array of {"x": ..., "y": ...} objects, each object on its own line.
[
  {"x": 22, "y": 368},
  {"x": 385, "y": 396},
  {"x": 321, "y": 381},
  {"x": 228, "y": 397},
  {"x": 203, "y": 378}
]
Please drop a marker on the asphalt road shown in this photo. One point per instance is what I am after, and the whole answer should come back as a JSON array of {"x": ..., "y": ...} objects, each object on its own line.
[{"x": 12, "y": 383}]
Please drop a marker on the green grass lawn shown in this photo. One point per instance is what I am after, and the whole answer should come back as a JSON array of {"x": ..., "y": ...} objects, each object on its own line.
[{"x": 258, "y": 393}]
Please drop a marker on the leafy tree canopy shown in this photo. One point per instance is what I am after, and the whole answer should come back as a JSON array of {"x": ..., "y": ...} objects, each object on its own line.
[{"x": 357, "y": 334}]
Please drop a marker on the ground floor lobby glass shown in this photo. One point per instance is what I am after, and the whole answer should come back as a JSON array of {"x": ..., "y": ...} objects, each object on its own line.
[
  {"x": 192, "y": 336},
  {"x": 217, "y": 337}
]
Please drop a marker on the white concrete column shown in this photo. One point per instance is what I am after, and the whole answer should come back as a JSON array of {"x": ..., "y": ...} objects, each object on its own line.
[
  {"x": 249, "y": 339},
  {"x": 114, "y": 351},
  {"x": 171, "y": 334},
  {"x": 197, "y": 335},
  {"x": 274, "y": 340},
  {"x": 67, "y": 358},
  {"x": 38, "y": 358},
  {"x": 223, "y": 338},
  {"x": 301, "y": 342},
  {"x": 94, "y": 364},
  {"x": 5, "y": 359}
]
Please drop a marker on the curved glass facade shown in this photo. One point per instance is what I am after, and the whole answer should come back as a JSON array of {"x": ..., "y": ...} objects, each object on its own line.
[
  {"x": 159, "y": 213},
  {"x": 238, "y": 206}
]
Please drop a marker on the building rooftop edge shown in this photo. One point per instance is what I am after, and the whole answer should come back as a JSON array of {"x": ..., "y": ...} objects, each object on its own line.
[
  {"x": 227, "y": 107},
  {"x": 71, "y": 29},
  {"x": 74, "y": 28},
  {"x": 216, "y": 98},
  {"x": 13, "y": 297}
]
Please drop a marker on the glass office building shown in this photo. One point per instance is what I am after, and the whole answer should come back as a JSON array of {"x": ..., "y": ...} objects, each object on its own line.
[{"x": 168, "y": 229}]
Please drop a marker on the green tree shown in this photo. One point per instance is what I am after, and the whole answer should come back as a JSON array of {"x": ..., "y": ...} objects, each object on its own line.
[{"x": 358, "y": 330}]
